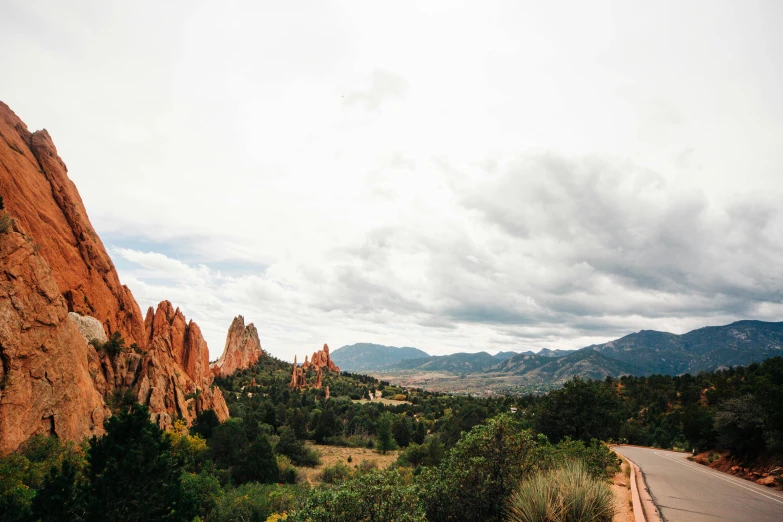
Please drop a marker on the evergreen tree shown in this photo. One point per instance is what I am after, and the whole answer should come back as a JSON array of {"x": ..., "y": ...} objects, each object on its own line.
[
  {"x": 259, "y": 463},
  {"x": 384, "y": 434},
  {"x": 63, "y": 497},
  {"x": 132, "y": 474}
]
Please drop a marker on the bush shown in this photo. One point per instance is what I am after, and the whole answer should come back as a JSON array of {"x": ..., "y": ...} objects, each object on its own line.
[
  {"x": 479, "y": 474},
  {"x": 295, "y": 449},
  {"x": 428, "y": 454},
  {"x": 567, "y": 494},
  {"x": 375, "y": 496},
  {"x": 202, "y": 490},
  {"x": 288, "y": 473},
  {"x": 599, "y": 461},
  {"x": 253, "y": 503},
  {"x": 6, "y": 222},
  {"x": 366, "y": 466},
  {"x": 334, "y": 474},
  {"x": 112, "y": 347}
]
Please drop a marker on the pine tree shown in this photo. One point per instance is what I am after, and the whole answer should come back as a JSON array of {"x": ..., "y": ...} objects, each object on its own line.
[
  {"x": 132, "y": 474},
  {"x": 384, "y": 434}
]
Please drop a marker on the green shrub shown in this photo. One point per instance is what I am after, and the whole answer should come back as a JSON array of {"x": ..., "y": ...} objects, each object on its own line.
[
  {"x": 202, "y": 490},
  {"x": 112, "y": 347},
  {"x": 366, "y": 466},
  {"x": 479, "y": 474},
  {"x": 6, "y": 222},
  {"x": 428, "y": 454},
  {"x": 376, "y": 496},
  {"x": 254, "y": 502},
  {"x": 598, "y": 459},
  {"x": 566, "y": 494},
  {"x": 288, "y": 473},
  {"x": 334, "y": 474}
]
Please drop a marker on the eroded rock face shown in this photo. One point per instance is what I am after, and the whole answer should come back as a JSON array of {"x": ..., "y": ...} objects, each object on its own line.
[
  {"x": 242, "y": 350},
  {"x": 321, "y": 359},
  {"x": 175, "y": 376},
  {"x": 45, "y": 384},
  {"x": 38, "y": 193},
  {"x": 53, "y": 263}
]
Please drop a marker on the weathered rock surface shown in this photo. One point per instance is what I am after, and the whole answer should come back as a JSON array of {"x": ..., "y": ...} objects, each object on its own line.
[
  {"x": 242, "y": 350},
  {"x": 298, "y": 377},
  {"x": 38, "y": 193},
  {"x": 45, "y": 384},
  {"x": 53, "y": 263},
  {"x": 90, "y": 328},
  {"x": 321, "y": 359},
  {"x": 171, "y": 376}
]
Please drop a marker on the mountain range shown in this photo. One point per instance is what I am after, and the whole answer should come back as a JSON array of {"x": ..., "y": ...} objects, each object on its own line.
[{"x": 642, "y": 353}]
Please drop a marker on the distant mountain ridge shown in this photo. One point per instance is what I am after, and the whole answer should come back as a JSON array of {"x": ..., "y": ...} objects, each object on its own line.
[
  {"x": 368, "y": 356},
  {"x": 704, "y": 349},
  {"x": 645, "y": 352},
  {"x": 454, "y": 363}
]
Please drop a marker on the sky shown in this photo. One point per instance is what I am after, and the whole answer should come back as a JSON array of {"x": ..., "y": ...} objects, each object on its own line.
[{"x": 453, "y": 176}]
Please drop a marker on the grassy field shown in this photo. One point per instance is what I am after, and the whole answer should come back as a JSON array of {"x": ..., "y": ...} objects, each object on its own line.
[{"x": 331, "y": 455}]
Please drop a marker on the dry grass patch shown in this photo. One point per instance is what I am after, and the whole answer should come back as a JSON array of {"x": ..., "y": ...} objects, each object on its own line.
[{"x": 331, "y": 455}]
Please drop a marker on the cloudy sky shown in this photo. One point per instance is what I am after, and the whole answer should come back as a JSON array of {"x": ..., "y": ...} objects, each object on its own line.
[{"x": 456, "y": 177}]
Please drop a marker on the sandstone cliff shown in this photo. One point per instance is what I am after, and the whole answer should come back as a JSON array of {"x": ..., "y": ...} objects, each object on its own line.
[
  {"x": 45, "y": 384},
  {"x": 34, "y": 183},
  {"x": 242, "y": 350},
  {"x": 52, "y": 379}
]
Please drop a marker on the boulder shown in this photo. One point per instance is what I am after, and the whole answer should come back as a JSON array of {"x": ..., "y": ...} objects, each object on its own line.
[{"x": 90, "y": 328}]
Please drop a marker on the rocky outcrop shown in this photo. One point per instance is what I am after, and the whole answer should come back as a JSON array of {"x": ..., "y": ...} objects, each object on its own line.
[
  {"x": 175, "y": 376},
  {"x": 38, "y": 193},
  {"x": 318, "y": 379},
  {"x": 298, "y": 378},
  {"x": 320, "y": 362},
  {"x": 45, "y": 384},
  {"x": 321, "y": 359},
  {"x": 242, "y": 350},
  {"x": 51, "y": 379},
  {"x": 90, "y": 328}
]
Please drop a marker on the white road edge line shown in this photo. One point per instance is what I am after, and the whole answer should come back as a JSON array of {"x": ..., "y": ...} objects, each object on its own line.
[{"x": 717, "y": 476}]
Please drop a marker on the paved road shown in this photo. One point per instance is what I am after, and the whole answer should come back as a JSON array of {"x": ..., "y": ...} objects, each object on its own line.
[{"x": 688, "y": 492}]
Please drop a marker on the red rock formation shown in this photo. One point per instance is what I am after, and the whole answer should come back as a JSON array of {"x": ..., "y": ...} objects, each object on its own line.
[
  {"x": 318, "y": 379},
  {"x": 175, "y": 366},
  {"x": 298, "y": 379},
  {"x": 321, "y": 359},
  {"x": 52, "y": 380},
  {"x": 171, "y": 376},
  {"x": 242, "y": 350},
  {"x": 45, "y": 384},
  {"x": 306, "y": 364},
  {"x": 37, "y": 192}
]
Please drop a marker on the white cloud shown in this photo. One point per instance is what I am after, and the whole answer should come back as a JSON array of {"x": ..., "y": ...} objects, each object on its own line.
[{"x": 504, "y": 175}]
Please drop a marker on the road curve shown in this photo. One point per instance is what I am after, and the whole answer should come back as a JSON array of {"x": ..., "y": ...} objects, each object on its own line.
[{"x": 685, "y": 491}]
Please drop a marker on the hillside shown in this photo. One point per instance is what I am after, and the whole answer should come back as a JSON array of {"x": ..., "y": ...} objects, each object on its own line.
[
  {"x": 643, "y": 353},
  {"x": 454, "y": 363},
  {"x": 705, "y": 349},
  {"x": 368, "y": 356}
]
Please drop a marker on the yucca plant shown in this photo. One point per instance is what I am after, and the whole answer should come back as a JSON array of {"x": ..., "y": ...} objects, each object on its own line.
[{"x": 566, "y": 494}]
